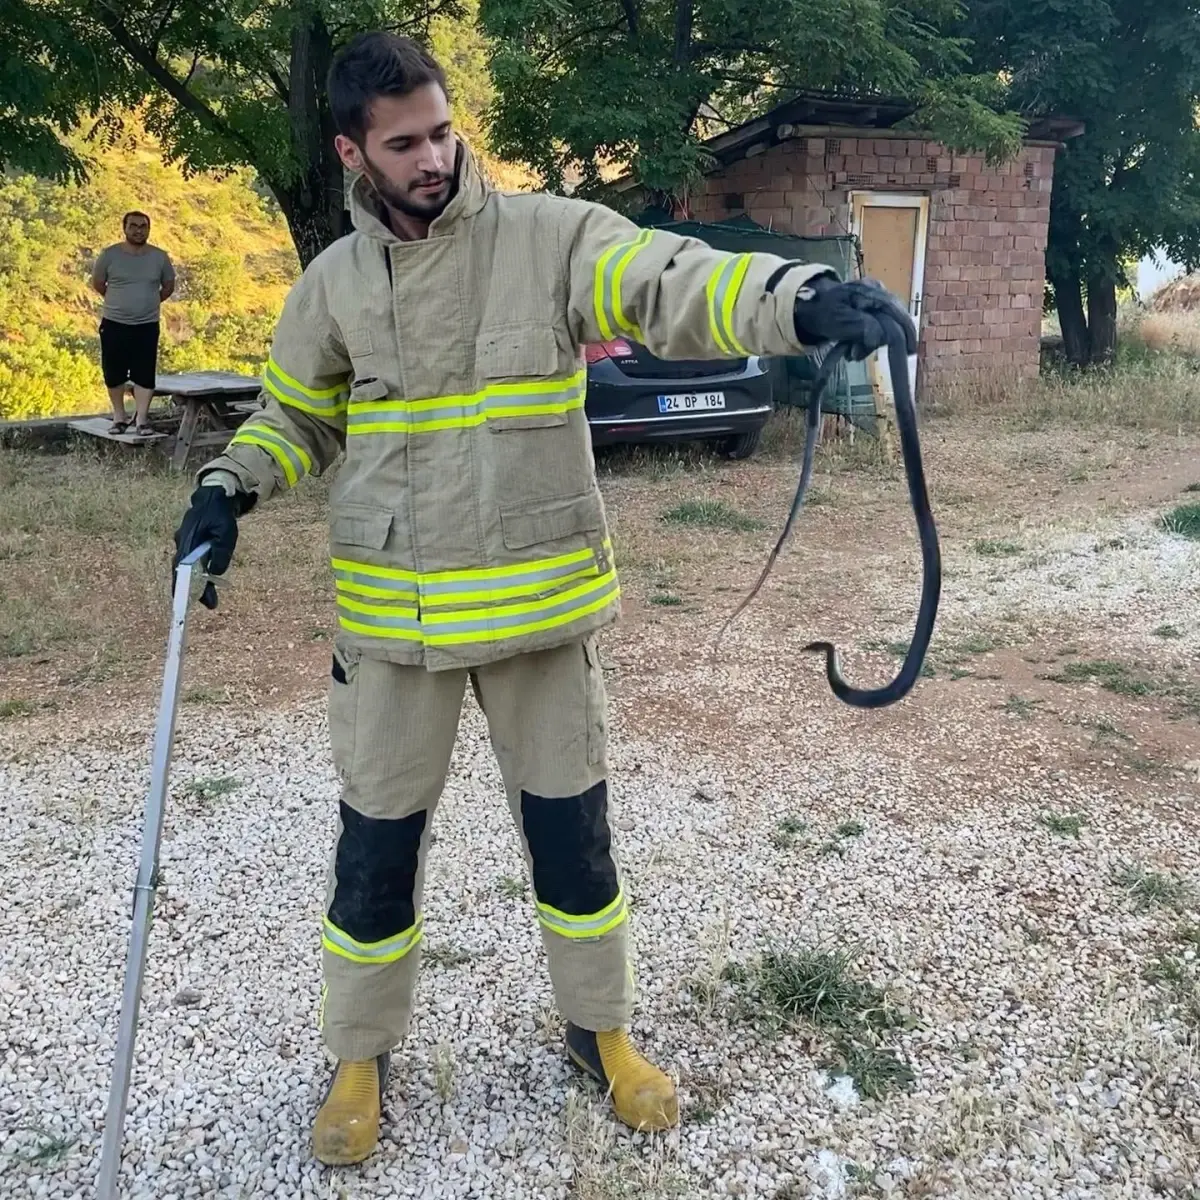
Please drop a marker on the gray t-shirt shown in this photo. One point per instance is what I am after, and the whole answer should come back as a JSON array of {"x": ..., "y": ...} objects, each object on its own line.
[{"x": 134, "y": 281}]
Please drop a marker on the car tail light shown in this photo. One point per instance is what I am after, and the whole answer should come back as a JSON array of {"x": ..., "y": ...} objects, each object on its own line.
[{"x": 617, "y": 348}]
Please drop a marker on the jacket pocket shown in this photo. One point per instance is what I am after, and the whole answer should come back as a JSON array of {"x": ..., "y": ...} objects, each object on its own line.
[
  {"x": 369, "y": 388},
  {"x": 579, "y": 516},
  {"x": 510, "y": 356},
  {"x": 360, "y": 525}
]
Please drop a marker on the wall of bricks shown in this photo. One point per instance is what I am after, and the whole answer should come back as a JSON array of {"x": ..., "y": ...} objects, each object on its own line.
[{"x": 985, "y": 253}]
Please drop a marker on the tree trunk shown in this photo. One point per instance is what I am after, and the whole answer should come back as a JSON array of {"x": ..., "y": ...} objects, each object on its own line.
[
  {"x": 313, "y": 200},
  {"x": 310, "y": 224},
  {"x": 1102, "y": 318},
  {"x": 1068, "y": 299}
]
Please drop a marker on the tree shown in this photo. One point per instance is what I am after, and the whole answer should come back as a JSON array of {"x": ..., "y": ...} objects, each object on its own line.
[
  {"x": 233, "y": 83},
  {"x": 50, "y": 73},
  {"x": 1130, "y": 71},
  {"x": 588, "y": 86}
]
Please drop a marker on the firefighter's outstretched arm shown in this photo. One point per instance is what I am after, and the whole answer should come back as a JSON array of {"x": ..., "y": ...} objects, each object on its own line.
[
  {"x": 681, "y": 298},
  {"x": 299, "y": 431}
]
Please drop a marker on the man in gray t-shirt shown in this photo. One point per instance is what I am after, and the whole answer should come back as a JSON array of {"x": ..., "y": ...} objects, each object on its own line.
[{"x": 134, "y": 278}]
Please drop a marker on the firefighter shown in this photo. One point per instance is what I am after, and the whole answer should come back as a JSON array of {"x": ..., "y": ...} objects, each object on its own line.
[{"x": 438, "y": 348}]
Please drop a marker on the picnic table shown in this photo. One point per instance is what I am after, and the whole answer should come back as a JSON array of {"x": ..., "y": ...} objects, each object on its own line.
[{"x": 206, "y": 408}]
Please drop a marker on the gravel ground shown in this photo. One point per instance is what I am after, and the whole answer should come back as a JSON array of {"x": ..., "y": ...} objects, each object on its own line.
[
  {"x": 1044, "y": 1064},
  {"x": 1050, "y": 991}
]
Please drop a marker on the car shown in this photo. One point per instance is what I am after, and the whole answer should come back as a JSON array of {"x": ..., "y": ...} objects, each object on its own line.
[{"x": 635, "y": 396}]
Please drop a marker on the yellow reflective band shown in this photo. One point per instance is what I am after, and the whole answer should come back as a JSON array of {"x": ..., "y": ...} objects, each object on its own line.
[
  {"x": 733, "y": 291},
  {"x": 329, "y": 393},
  {"x": 394, "y": 623},
  {"x": 498, "y": 635},
  {"x": 484, "y": 574},
  {"x": 722, "y": 290},
  {"x": 338, "y": 942},
  {"x": 468, "y": 410},
  {"x": 293, "y": 460},
  {"x": 359, "y": 568},
  {"x": 710, "y": 291},
  {"x": 513, "y": 610},
  {"x": 629, "y": 327},
  {"x": 588, "y": 925},
  {"x": 606, "y": 288},
  {"x": 504, "y": 592}
]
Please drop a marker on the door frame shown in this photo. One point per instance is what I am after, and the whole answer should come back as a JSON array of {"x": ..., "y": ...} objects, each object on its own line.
[{"x": 862, "y": 198}]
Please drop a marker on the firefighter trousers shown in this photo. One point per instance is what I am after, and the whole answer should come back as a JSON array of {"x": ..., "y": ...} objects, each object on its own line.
[{"x": 392, "y": 731}]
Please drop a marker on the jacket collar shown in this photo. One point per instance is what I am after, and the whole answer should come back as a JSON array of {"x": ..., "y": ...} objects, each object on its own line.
[{"x": 367, "y": 213}]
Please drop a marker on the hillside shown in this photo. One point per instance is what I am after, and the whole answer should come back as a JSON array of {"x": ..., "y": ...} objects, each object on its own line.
[{"x": 230, "y": 247}]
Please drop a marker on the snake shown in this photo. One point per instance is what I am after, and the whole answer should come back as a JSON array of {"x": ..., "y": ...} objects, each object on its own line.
[{"x": 931, "y": 562}]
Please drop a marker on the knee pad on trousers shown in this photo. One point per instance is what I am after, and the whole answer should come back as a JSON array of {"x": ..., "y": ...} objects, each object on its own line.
[
  {"x": 375, "y": 867},
  {"x": 575, "y": 882}
]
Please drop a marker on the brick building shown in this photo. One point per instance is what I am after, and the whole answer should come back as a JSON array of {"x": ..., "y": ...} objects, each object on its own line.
[{"x": 963, "y": 240}]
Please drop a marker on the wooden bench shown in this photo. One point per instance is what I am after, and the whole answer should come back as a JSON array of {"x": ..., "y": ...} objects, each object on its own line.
[{"x": 206, "y": 408}]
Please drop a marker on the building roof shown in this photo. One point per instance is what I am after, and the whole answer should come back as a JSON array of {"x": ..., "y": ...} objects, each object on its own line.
[{"x": 820, "y": 113}]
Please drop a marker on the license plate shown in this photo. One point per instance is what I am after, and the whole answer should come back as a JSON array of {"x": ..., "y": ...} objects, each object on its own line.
[{"x": 691, "y": 402}]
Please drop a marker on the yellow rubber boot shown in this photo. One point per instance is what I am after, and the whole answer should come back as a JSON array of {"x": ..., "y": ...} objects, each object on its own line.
[
  {"x": 643, "y": 1097},
  {"x": 347, "y": 1126}
]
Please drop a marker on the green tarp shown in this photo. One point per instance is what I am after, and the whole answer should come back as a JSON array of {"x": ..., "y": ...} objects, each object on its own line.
[{"x": 849, "y": 392}]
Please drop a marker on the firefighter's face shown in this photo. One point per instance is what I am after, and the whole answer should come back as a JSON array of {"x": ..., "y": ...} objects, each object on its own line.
[{"x": 409, "y": 151}]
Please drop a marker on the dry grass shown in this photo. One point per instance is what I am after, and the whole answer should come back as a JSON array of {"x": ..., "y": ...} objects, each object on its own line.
[
  {"x": 1156, "y": 392},
  {"x": 1175, "y": 332},
  {"x": 85, "y": 558}
]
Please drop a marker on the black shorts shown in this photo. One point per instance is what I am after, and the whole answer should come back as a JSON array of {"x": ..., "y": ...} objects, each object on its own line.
[{"x": 129, "y": 353}]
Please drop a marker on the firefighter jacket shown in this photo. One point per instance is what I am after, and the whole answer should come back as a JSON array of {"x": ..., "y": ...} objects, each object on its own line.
[{"x": 466, "y": 524}]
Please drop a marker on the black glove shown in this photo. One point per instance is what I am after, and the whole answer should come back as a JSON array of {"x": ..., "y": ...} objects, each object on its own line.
[
  {"x": 828, "y": 310},
  {"x": 213, "y": 518}
]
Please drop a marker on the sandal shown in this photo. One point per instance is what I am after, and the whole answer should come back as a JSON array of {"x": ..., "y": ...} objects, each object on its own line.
[
  {"x": 144, "y": 431},
  {"x": 118, "y": 426}
]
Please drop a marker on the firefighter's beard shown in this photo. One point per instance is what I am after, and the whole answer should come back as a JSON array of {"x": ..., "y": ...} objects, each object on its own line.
[{"x": 420, "y": 206}]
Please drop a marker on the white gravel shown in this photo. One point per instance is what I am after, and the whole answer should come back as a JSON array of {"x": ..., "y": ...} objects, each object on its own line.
[
  {"x": 1046, "y": 1066},
  {"x": 1125, "y": 574}
]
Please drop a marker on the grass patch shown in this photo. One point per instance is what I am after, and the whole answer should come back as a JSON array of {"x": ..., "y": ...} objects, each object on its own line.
[
  {"x": 821, "y": 988},
  {"x": 995, "y": 548},
  {"x": 711, "y": 514},
  {"x": 1115, "y": 677},
  {"x": 214, "y": 788},
  {"x": 603, "y": 1168},
  {"x": 1149, "y": 889},
  {"x": 850, "y": 829},
  {"x": 1124, "y": 680},
  {"x": 1103, "y": 730},
  {"x": 48, "y": 1150},
  {"x": 786, "y": 831},
  {"x": 1183, "y": 520},
  {"x": 1064, "y": 824},
  {"x": 1192, "y": 487},
  {"x": 510, "y": 887},
  {"x": 666, "y": 600},
  {"x": 1159, "y": 391},
  {"x": 16, "y": 708},
  {"x": 1177, "y": 980},
  {"x": 1019, "y": 706},
  {"x": 1168, "y": 632}
]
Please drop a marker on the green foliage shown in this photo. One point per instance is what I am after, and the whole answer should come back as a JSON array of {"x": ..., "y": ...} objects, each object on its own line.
[
  {"x": 241, "y": 84},
  {"x": 1131, "y": 73},
  {"x": 50, "y": 73},
  {"x": 231, "y": 250},
  {"x": 591, "y": 88}
]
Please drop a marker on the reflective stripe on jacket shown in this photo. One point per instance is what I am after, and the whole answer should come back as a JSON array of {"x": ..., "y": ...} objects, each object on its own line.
[{"x": 466, "y": 523}]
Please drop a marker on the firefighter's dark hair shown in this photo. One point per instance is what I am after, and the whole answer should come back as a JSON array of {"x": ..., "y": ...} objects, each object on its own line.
[{"x": 371, "y": 65}]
